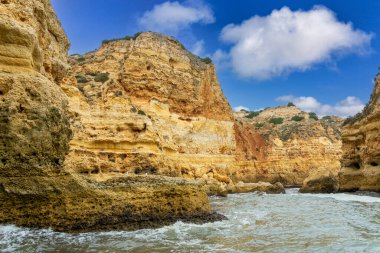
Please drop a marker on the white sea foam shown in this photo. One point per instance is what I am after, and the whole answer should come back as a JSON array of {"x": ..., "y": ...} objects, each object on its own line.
[
  {"x": 337, "y": 196},
  {"x": 348, "y": 197},
  {"x": 256, "y": 223}
]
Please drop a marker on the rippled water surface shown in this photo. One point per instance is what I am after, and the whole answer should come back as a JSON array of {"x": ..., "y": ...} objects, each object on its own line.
[{"x": 288, "y": 222}]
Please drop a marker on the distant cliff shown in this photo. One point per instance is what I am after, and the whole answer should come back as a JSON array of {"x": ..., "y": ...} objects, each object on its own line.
[{"x": 285, "y": 144}]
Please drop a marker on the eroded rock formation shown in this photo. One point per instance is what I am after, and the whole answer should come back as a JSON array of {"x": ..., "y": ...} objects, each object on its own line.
[
  {"x": 322, "y": 180},
  {"x": 361, "y": 148},
  {"x": 35, "y": 189},
  {"x": 285, "y": 144},
  {"x": 146, "y": 105}
]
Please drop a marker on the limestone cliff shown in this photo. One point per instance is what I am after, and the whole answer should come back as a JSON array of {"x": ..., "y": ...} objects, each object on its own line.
[
  {"x": 361, "y": 148},
  {"x": 285, "y": 144},
  {"x": 144, "y": 104},
  {"x": 35, "y": 189},
  {"x": 34, "y": 121}
]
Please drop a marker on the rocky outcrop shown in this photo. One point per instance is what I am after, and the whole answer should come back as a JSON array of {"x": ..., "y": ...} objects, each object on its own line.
[
  {"x": 33, "y": 117},
  {"x": 285, "y": 144},
  {"x": 144, "y": 104},
  {"x": 321, "y": 181},
  {"x": 361, "y": 148},
  {"x": 35, "y": 188},
  {"x": 266, "y": 187}
]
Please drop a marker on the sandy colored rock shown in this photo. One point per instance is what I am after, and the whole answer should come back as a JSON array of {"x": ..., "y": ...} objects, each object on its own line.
[
  {"x": 361, "y": 148},
  {"x": 34, "y": 120},
  {"x": 160, "y": 110},
  {"x": 35, "y": 189},
  {"x": 70, "y": 203},
  {"x": 266, "y": 187},
  {"x": 285, "y": 152},
  {"x": 321, "y": 181}
]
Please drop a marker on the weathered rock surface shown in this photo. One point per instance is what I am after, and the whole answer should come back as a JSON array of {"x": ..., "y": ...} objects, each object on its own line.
[
  {"x": 321, "y": 181},
  {"x": 266, "y": 187},
  {"x": 145, "y": 105},
  {"x": 286, "y": 152},
  {"x": 35, "y": 189},
  {"x": 158, "y": 110},
  {"x": 361, "y": 148},
  {"x": 33, "y": 117}
]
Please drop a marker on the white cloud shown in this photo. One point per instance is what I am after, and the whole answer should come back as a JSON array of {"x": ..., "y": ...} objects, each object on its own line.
[
  {"x": 347, "y": 107},
  {"x": 286, "y": 41},
  {"x": 240, "y": 107},
  {"x": 171, "y": 17},
  {"x": 220, "y": 59},
  {"x": 198, "y": 47}
]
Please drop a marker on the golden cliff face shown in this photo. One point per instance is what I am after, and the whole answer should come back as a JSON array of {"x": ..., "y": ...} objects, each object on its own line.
[
  {"x": 32, "y": 39},
  {"x": 361, "y": 148},
  {"x": 146, "y": 105},
  {"x": 35, "y": 189},
  {"x": 33, "y": 117},
  {"x": 287, "y": 151}
]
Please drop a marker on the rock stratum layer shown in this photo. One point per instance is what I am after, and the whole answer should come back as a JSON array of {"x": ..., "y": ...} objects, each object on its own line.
[
  {"x": 145, "y": 105},
  {"x": 284, "y": 144},
  {"x": 35, "y": 188},
  {"x": 361, "y": 148}
]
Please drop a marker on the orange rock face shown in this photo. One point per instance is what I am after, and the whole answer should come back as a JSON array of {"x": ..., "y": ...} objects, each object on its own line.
[
  {"x": 146, "y": 105},
  {"x": 158, "y": 110},
  {"x": 287, "y": 150},
  {"x": 153, "y": 65}
]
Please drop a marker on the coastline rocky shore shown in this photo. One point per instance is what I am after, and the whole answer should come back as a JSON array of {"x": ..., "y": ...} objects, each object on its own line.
[{"x": 138, "y": 133}]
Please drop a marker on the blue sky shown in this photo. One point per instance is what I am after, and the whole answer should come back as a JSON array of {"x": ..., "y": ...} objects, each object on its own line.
[{"x": 321, "y": 55}]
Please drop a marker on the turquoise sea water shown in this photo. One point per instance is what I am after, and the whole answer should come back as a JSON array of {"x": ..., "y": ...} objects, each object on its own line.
[{"x": 290, "y": 222}]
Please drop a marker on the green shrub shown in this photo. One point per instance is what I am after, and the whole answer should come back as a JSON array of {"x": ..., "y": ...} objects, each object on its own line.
[
  {"x": 259, "y": 125},
  {"x": 141, "y": 112},
  {"x": 123, "y": 38},
  {"x": 91, "y": 73},
  {"x": 81, "y": 88},
  {"x": 101, "y": 77},
  {"x": 313, "y": 115},
  {"x": 328, "y": 118},
  {"x": 136, "y": 35},
  {"x": 81, "y": 79},
  {"x": 253, "y": 114},
  {"x": 291, "y": 104},
  {"x": 182, "y": 46},
  {"x": 352, "y": 119},
  {"x": 81, "y": 59},
  {"x": 206, "y": 60},
  {"x": 276, "y": 121},
  {"x": 297, "y": 118}
]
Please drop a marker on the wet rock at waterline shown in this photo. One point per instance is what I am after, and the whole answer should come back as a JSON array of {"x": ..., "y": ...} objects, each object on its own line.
[{"x": 320, "y": 181}]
